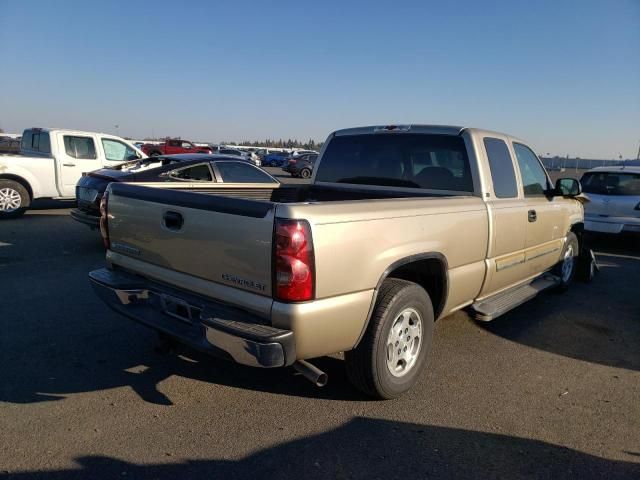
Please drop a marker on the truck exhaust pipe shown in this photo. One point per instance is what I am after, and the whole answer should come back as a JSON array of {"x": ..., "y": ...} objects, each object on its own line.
[{"x": 311, "y": 373}]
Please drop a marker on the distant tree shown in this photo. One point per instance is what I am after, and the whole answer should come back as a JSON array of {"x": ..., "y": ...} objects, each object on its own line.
[{"x": 1, "y": 130}]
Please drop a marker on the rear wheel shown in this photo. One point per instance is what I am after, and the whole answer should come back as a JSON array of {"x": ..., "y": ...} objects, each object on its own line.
[
  {"x": 394, "y": 350},
  {"x": 305, "y": 173},
  {"x": 155, "y": 154},
  {"x": 14, "y": 199}
]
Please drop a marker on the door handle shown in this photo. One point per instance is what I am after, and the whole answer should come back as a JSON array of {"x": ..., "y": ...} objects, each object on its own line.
[
  {"x": 69, "y": 164},
  {"x": 173, "y": 220},
  {"x": 532, "y": 215}
]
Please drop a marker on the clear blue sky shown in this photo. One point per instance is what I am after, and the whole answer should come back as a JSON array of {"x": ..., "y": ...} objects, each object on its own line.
[{"x": 564, "y": 75}]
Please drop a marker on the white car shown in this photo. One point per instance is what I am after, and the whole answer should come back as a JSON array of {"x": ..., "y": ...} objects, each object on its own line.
[
  {"x": 615, "y": 199},
  {"x": 51, "y": 162}
]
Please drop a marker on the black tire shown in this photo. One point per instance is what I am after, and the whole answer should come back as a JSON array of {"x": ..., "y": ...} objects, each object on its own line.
[
  {"x": 366, "y": 365},
  {"x": 567, "y": 277},
  {"x": 166, "y": 345},
  {"x": 25, "y": 198},
  {"x": 587, "y": 265},
  {"x": 305, "y": 173},
  {"x": 155, "y": 153}
]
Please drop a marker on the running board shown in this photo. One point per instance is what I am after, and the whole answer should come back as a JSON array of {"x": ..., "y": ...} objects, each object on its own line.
[{"x": 492, "y": 307}]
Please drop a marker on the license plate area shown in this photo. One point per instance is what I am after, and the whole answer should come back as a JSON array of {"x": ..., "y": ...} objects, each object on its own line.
[{"x": 179, "y": 308}]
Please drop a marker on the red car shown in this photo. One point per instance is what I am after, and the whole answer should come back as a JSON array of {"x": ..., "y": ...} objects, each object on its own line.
[{"x": 172, "y": 147}]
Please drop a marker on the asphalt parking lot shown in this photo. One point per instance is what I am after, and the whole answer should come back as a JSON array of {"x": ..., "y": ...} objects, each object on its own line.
[{"x": 548, "y": 391}]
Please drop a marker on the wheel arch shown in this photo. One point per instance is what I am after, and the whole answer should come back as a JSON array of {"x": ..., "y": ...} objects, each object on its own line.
[
  {"x": 430, "y": 270},
  {"x": 578, "y": 229},
  {"x": 22, "y": 181}
]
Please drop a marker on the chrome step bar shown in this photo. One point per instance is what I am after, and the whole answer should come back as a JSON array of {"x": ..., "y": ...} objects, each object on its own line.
[{"x": 492, "y": 307}]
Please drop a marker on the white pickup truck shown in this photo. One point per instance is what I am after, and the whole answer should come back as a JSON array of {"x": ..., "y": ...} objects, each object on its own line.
[{"x": 51, "y": 162}]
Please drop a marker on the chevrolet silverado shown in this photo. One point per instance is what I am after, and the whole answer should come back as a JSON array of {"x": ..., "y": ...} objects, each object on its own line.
[{"x": 401, "y": 225}]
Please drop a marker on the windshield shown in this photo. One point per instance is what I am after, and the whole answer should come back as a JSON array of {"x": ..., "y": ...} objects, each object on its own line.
[
  {"x": 611, "y": 183},
  {"x": 437, "y": 162}
]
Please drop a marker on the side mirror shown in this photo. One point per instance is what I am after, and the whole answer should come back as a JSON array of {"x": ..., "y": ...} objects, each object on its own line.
[{"x": 568, "y": 187}]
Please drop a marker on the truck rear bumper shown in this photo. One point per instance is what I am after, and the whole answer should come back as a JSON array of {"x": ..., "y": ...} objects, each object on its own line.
[
  {"x": 92, "y": 221},
  {"x": 213, "y": 328}
]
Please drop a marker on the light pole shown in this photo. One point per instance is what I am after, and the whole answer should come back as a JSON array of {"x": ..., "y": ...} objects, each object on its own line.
[{"x": 117, "y": 131}]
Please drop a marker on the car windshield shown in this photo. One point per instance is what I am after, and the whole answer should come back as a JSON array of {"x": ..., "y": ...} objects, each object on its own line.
[
  {"x": 435, "y": 162},
  {"x": 611, "y": 183}
]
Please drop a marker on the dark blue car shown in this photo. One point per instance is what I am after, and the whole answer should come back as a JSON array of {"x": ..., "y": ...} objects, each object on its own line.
[{"x": 275, "y": 159}]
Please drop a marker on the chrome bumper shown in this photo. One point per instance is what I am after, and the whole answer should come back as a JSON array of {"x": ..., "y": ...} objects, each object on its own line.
[{"x": 205, "y": 325}]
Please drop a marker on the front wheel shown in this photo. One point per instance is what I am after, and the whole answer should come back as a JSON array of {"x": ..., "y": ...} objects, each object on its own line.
[
  {"x": 566, "y": 268},
  {"x": 14, "y": 199},
  {"x": 394, "y": 350}
]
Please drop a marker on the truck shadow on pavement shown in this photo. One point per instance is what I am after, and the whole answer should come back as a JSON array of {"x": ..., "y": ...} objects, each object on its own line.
[
  {"x": 605, "y": 331},
  {"x": 124, "y": 357},
  {"x": 370, "y": 448}
]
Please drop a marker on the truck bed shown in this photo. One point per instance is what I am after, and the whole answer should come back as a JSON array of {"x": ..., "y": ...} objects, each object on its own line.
[
  {"x": 302, "y": 193},
  {"x": 226, "y": 236}
]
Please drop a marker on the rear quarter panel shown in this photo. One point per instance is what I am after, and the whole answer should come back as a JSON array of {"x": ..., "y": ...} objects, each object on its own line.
[
  {"x": 356, "y": 242},
  {"x": 38, "y": 172}
]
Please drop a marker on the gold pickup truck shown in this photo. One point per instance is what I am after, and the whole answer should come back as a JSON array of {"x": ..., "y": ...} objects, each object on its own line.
[{"x": 401, "y": 225}]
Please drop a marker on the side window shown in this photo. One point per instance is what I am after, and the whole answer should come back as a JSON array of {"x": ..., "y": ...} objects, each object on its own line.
[
  {"x": 27, "y": 138},
  {"x": 44, "y": 144},
  {"x": 186, "y": 144},
  {"x": 117, "y": 151},
  {"x": 237, "y": 172},
  {"x": 501, "y": 165},
  {"x": 80, "y": 147},
  {"x": 534, "y": 178},
  {"x": 196, "y": 173}
]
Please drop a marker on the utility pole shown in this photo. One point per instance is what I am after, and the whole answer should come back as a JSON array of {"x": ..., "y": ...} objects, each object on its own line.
[{"x": 638, "y": 155}]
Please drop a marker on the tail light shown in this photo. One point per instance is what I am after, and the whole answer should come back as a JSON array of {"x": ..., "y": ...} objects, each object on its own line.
[
  {"x": 104, "y": 219},
  {"x": 293, "y": 260},
  {"x": 292, "y": 161}
]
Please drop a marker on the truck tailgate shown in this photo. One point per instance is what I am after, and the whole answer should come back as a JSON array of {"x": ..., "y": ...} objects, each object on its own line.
[{"x": 224, "y": 240}]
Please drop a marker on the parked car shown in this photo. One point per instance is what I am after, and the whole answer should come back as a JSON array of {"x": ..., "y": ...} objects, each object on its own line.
[
  {"x": 263, "y": 152},
  {"x": 245, "y": 156},
  {"x": 275, "y": 159},
  {"x": 9, "y": 144},
  {"x": 50, "y": 163},
  {"x": 180, "y": 172},
  {"x": 615, "y": 199},
  {"x": 174, "y": 146},
  {"x": 401, "y": 226},
  {"x": 302, "y": 166},
  {"x": 297, "y": 153}
]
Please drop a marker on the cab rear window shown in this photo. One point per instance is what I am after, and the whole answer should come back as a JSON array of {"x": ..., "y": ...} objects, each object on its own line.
[
  {"x": 36, "y": 140},
  {"x": 435, "y": 162},
  {"x": 611, "y": 183}
]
